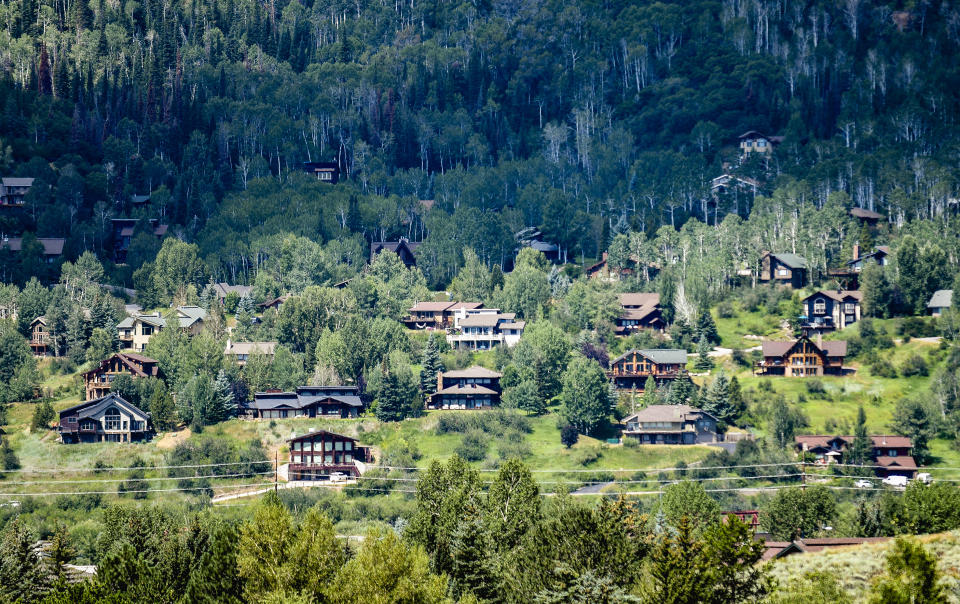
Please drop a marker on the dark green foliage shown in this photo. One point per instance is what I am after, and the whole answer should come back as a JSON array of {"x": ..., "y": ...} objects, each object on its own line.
[
  {"x": 794, "y": 512},
  {"x": 8, "y": 455},
  {"x": 135, "y": 484},
  {"x": 431, "y": 366},
  {"x": 526, "y": 397},
  {"x": 43, "y": 415},
  {"x": 860, "y": 451},
  {"x": 912, "y": 576},
  {"x": 569, "y": 435},
  {"x": 706, "y": 327},
  {"x": 703, "y": 362},
  {"x": 586, "y": 395},
  {"x": 21, "y": 573},
  {"x": 473, "y": 446},
  {"x": 915, "y": 419},
  {"x": 215, "y": 580}
]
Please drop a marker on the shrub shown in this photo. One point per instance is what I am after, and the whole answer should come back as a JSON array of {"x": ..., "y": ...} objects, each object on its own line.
[
  {"x": 914, "y": 365},
  {"x": 569, "y": 436},
  {"x": 883, "y": 368},
  {"x": 514, "y": 446},
  {"x": 587, "y": 455},
  {"x": 473, "y": 446},
  {"x": 815, "y": 386}
]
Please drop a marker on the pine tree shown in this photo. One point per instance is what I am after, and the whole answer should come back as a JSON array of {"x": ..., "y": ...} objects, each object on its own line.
[
  {"x": 224, "y": 406},
  {"x": 43, "y": 414},
  {"x": 215, "y": 579},
  {"x": 473, "y": 569},
  {"x": 22, "y": 577},
  {"x": 432, "y": 365},
  {"x": 716, "y": 400},
  {"x": 9, "y": 457},
  {"x": 703, "y": 362},
  {"x": 682, "y": 392},
  {"x": 735, "y": 397},
  {"x": 390, "y": 407},
  {"x": 706, "y": 327},
  {"x": 861, "y": 447},
  {"x": 650, "y": 395}
]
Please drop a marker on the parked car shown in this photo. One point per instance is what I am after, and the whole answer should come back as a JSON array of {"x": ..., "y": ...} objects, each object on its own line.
[
  {"x": 924, "y": 477},
  {"x": 863, "y": 484},
  {"x": 338, "y": 477},
  {"x": 895, "y": 481}
]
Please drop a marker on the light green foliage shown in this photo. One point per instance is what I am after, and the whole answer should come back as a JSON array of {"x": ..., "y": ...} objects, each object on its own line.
[
  {"x": 542, "y": 355},
  {"x": 812, "y": 586},
  {"x": 18, "y": 368},
  {"x": 525, "y": 291},
  {"x": 473, "y": 282},
  {"x": 914, "y": 418},
  {"x": 794, "y": 512},
  {"x": 912, "y": 576},
  {"x": 42, "y": 416},
  {"x": 687, "y": 499},
  {"x": 585, "y": 399},
  {"x": 176, "y": 266},
  {"x": 524, "y": 396},
  {"x": 102, "y": 344}
]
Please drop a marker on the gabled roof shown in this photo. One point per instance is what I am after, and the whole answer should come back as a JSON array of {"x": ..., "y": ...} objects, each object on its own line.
[
  {"x": 484, "y": 319},
  {"x": 838, "y": 295},
  {"x": 832, "y": 348},
  {"x": 52, "y": 246},
  {"x": 466, "y": 389},
  {"x": 430, "y": 306},
  {"x": 131, "y": 361},
  {"x": 274, "y": 301},
  {"x": 14, "y": 181},
  {"x": 864, "y": 213},
  {"x": 42, "y": 319},
  {"x": 942, "y": 298},
  {"x": 89, "y": 408},
  {"x": 660, "y": 356},
  {"x": 250, "y": 347},
  {"x": 299, "y": 400},
  {"x": 665, "y": 413},
  {"x": 791, "y": 260},
  {"x": 188, "y": 315},
  {"x": 879, "y": 440},
  {"x": 472, "y": 372},
  {"x": 317, "y": 433},
  {"x": 905, "y": 462},
  {"x": 393, "y": 246},
  {"x": 223, "y": 289},
  {"x": 639, "y": 299}
]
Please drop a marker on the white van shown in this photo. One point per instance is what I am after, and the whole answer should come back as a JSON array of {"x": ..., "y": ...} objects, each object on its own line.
[{"x": 895, "y": 481}]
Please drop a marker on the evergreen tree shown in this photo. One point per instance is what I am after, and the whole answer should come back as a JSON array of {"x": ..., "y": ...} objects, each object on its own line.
[
  {"x": 473, "y": 566},
  {"x": 912, "y": 576},
  {"x": 716, "y": 400},
  {"x": 8, "y": 455},
  {"x": 43, "y": 414},
  {"x": 706, "y": 327},
  {"x": 735, "y": 397},
  {"x": 22, "y": 576},
  {"x": 162, "y": 411},
  {"x": 215, "y": 579},
  {"x": 432, "y": 365},
  {"x": 860, "y": 449},
  {"x": 703, "y": 362},
  {"x": 650, "y": 395},
  {"x": 224, "y": 405},
  {"x": 60, "y": 552},
  {"x": 390, "y": 405},
  {"x": 682, "y": 392}
]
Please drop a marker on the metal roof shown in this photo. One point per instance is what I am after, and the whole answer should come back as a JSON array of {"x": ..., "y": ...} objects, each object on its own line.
[{"x": 942, "y": 298}]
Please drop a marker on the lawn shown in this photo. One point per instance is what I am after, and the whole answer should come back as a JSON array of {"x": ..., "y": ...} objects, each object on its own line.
[{"x": 758, "y": 323}]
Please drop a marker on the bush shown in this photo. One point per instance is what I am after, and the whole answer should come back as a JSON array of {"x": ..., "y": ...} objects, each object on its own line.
[
  {"x": 883, "y": 368},
  {"x": 473, "y": 446},
  {"x": 587, "y": 455},
  {"x": 815, "y": 386},
  {"x": 569, "y": 436},
  {"x": 725, "y": 309},
  {"x": 739, "y": 357},
  {"x": 914, "y": 365},
  {"x": 514, "y": 445}
]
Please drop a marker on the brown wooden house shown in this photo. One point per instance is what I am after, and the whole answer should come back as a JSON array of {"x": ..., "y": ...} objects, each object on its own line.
[
  {"x": 471, "y": 388},
  {"x": 106, "y": 419},
  {"x": 638, "y": 311},
  {"x": 783, "y": 269},
  {"x": 39, "y": 336},
  {"x": 97, "y": 382},
  {"x": 802, "y": 358},
  {"x": 671, "y": 425},
  {"x": 307, "y": 401},
  {"x": 630, "y": 370},
  {"x": 317, "y": 455},
  {"x": 403, "y": 248},
  {"x": 892, "y": 455},
  {"x": 436, "y": 315}
]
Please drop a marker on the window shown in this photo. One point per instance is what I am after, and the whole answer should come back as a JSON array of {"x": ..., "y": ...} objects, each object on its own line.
[
  {"x": 348, "y": 458},
  {"x": 147, "y": 330},
  {"x": 298, "y": 446},
  {"x": 348, "y": 446},
  {"x": 782, "y": 272},
  {"x": 850, "y": 307},
  {"x": 819, "y": 307},
  {"x": 328, "y": 458},
  {"x": 339, "y": 445},
  {"x": 72, "y": 420},
  {"x": 328, "y": 445},
  {"x": 111, "y": 419},
  {"x": 893, "y": 453}
]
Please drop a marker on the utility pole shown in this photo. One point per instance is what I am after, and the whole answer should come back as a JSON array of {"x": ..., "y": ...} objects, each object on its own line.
[
  {"x": 803, "y": 475},
  {"x": 276, "y": 471}
]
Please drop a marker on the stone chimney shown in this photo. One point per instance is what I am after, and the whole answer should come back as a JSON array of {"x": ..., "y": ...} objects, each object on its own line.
[{"x": 820, "y": 340}]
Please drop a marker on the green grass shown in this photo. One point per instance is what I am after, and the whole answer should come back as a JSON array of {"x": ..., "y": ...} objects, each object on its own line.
[{"x": 732, "y": 329}]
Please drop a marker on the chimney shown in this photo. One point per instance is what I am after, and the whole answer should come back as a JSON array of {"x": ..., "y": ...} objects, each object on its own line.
[
  {"x": 856, "y": 251},
  {"x": 820, "y": 340},
  {"x": 884, "y": 440},
  {"x": 604, "y": 257}
]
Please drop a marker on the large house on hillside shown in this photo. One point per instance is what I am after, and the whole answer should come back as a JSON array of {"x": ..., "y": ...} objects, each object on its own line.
[
  {"x": 631, "y": 370},
  {"x": 52, "y": 247},
  {"x": 39, "y": 336},
  {"x": 242, "y": 351},
  {"x": 98, "y": 381},
  {"x": 471, "y": 388},
  {"x": 403, "y": 248},
  {"x": 13, "y": 190},
  {"x": 671, "y": 425},
  {"x": 436, "y": 315},
  {"x": 318, "y": 454},
  {"x": 893, "y": 455},
  {"x": 106, "y": 419},
  {"x": 638, "y": 311},
  {"x": 783, "y": 269},
  {"x": 307, "y": 401},
  {"x": 484, "y": 329},
  {"x": 755, "y": 142},
  {"x": 802, "y": 358},
  {"x": 123, "y": 230},
  {"x": 828, "y": 310},
  {"x": 135, "y": 332}
]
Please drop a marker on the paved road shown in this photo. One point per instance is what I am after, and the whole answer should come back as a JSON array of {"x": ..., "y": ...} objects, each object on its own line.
[{"x": 593, "y": 489}]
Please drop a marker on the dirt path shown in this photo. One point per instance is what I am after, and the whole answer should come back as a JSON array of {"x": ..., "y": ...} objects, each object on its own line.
[{"x": 170, "y": 440}]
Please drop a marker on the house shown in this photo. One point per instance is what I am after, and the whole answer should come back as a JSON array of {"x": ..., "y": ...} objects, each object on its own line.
[
  {"x": 105, "y": 419},
  {"x": 638, "y": 311},
  {"x": 325, "y": 171},
  {"x": 866, "y": 216},
  {"x": 52, "y": 246},
  {"x": 879, "y": 256},
  {"x": 318, "y": 454},
  {"x": 892, "y": 455},
  {"x": 273, "y": 304},
  {"x": 671, "y": 425},
  {"x": 241, "y": 351},
  {"x": 749, "y": 517},
  {"x": 123, "y": 230},
  {"x": 139, "y": 200},
  {"x": 13, "y": 190},
  {"x": 404, "y": 249},
  {"x": 729, "y": 182},
  {"x": 940, "y": 301},
  {"x": 436, "y": 315},
  {"x": 630, "y": 370},
  {"x": 98, "y": 381},
  {"x": 783, "y": 268},
  {"x": 471, "y": 388},
  {"x": 604, "y": 272},
  {"x": 802, "y": 357},
  {"x": 307, "y": 401},
  {"x": 781, "y": 549},
  {"x": 8, "y": 312},
  {"x": 484, "y": 328},
  {"x": 39, "y": 336},
  {"x": 831, "y": 309},
  {"x": 755, "y": 142},
  {"x": 551, "y": 251},
  {"x": 135, "y": 332},
  {"x": 221, "y": 290}
]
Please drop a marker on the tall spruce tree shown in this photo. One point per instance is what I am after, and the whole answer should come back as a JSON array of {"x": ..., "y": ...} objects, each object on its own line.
[
  {"x": 432, "y": 365},
  {"x": 859, "y": 451},
  {"x": 703, "y": 362}
]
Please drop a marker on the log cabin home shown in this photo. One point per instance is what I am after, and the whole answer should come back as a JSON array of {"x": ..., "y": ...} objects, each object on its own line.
[
  {"x": 630, "y": 370},
  {"x": 671, "y": 425},
  {"x": 436, "y": 315},
  {"x": 98, "y": 381},
  {"x": 638, "y": 311},
  {"x": 880, "y": 256},
  {"x": 403, "y": 248},
  {"x": 222, "y": 290},
  {"x": 802, "y": 357},
  {"x": 306, "y": 401},
  {"x": 134, "y": 332},
  {"x": 783, "y": 269},
  {"x": 273, "y": 304},
  {"x": 471, "y": 388},
  {"x": 892, "y": 455},
  {"x": 318, "y": 454},
  {"x": 865, "y": 216},
  {"x": 828, "y": 310},
  {"x": 105, "y": 419}
]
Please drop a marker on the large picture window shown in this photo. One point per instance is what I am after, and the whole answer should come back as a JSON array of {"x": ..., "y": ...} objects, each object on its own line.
[{"x": 111, "y": 419}]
